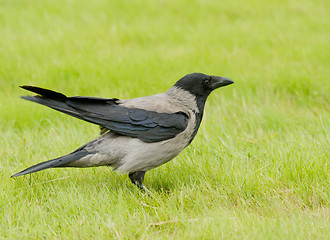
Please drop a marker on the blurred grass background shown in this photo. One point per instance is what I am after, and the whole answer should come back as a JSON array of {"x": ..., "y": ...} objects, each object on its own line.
[{"x": 259, "y": 166}]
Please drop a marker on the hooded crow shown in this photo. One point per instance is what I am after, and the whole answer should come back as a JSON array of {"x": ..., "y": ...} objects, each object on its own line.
[{"x": 137, "y": 134}]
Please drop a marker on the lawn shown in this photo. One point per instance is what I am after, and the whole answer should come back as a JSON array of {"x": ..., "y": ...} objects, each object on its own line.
[{"x": 259, "y": 166}]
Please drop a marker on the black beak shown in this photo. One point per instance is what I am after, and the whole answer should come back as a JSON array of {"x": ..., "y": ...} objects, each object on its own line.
[{"x": 220, "y": 82}]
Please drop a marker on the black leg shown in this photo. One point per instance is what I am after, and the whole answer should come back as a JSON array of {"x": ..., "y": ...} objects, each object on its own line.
[{"x": 137, "y": 178}]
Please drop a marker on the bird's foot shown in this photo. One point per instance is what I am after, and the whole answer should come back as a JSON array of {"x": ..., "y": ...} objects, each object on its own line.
[{"x": 137, "y": 179}]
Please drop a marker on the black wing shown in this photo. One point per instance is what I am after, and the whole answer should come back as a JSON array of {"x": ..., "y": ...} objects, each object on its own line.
[{"x": 148, "y": 126}]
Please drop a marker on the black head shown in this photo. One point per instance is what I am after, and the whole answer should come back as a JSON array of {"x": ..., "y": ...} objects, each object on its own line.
[{"x": 201, "y": 85}]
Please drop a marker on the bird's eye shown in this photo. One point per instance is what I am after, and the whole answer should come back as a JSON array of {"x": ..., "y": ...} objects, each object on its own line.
[{"x": 207, "y": 81}]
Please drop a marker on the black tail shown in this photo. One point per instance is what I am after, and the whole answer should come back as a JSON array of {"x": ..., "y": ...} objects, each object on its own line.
[{"x": 58, "y": 162}]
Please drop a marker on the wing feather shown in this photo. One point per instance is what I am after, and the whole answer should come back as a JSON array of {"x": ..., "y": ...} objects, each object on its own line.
[{"x": 148, "y": 126}]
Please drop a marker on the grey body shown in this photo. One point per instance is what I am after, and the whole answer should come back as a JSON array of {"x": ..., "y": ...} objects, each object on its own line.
[
  {"x": 144, "y": 133},
  {"x": 128, "y": 154}
]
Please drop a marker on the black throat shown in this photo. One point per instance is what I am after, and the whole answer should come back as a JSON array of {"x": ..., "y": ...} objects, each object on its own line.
[{"x": 198, "y": 115}]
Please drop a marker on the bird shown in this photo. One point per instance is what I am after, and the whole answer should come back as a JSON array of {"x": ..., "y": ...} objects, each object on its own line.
[{"x": 137, "y": 134}]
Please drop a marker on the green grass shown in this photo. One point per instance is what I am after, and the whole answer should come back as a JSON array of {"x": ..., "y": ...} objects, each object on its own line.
[{"x": 259, "y": 166}]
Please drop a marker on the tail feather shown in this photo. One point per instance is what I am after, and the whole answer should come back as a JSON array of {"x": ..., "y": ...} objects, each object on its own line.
[{"x": 58, "y": 162}]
